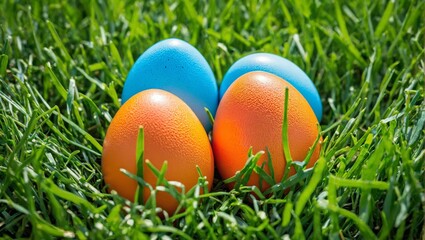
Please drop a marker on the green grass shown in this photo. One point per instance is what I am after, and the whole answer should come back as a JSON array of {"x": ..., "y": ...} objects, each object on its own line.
[{"x": 62, "y": 68}]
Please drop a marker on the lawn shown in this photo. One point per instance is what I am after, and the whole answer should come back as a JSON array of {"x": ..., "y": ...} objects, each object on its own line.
[{"x": 62, "y": 69}]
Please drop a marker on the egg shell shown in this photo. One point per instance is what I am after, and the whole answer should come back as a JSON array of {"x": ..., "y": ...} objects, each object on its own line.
[
  {"x": 177, "y": 67},
  {"x": 172, "y": 132},
  {"x": 279, "y": 66},
  {"x": 251, "y": 114}
]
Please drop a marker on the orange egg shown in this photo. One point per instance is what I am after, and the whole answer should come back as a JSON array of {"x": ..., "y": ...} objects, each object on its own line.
[
  {"x": 251, "y": 114},
  {"x": 172, "y": 132}
]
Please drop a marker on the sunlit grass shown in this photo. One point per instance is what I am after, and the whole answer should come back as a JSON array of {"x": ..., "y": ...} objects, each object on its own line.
[{"x": 62, "y": 69}]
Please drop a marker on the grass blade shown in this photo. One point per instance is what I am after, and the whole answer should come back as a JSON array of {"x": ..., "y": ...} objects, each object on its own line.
[
  {"x": 385, "y": 18},
  {"x": 285, "y": 138},
  {"x": 58, "y": 41},
  {"x": 140, "y": 153},
  {"x": 311, "y": 186},
  {"x": 3, "y": 64}
]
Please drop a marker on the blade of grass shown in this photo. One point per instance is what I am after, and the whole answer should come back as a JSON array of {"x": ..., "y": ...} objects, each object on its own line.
[
  {"x": 140, "y": 151},
  {"x": 385, "y": 18},
  {"x": 285, "y": 138},
  {"x": 58, "y": 41},
  {"x": 311, "y": 186}
]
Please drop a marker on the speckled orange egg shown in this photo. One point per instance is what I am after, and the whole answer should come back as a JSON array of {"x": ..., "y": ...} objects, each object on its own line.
[
  {"x": 251, "y": 114},
  {"x": 172, "y": 132}
]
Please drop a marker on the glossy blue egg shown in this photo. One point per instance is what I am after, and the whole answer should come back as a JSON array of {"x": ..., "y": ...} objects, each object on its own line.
[
  {"x": 280, "y": 67},
  {"x": 175, "y": 66}
]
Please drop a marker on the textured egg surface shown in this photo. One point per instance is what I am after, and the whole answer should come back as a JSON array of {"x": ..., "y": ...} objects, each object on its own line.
[
  {"x": 177, "y": 67},
  {"x": 279, "y": 66},
  {"x": 172, "y": 132},
  {"x": 251, "y": 114}
]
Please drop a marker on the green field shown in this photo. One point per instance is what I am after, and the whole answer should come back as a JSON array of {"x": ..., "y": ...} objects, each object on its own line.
[{"x": 62, "y": 69}]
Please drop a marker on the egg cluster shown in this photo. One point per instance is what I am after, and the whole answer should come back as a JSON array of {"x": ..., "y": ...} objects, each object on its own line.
[{"x": 167, "y": 91}]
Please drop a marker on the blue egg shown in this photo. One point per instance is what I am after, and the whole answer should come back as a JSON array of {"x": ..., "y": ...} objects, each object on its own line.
[
  {"x": 280, "y": 67},
  {"x": 175, "y": 66}
]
